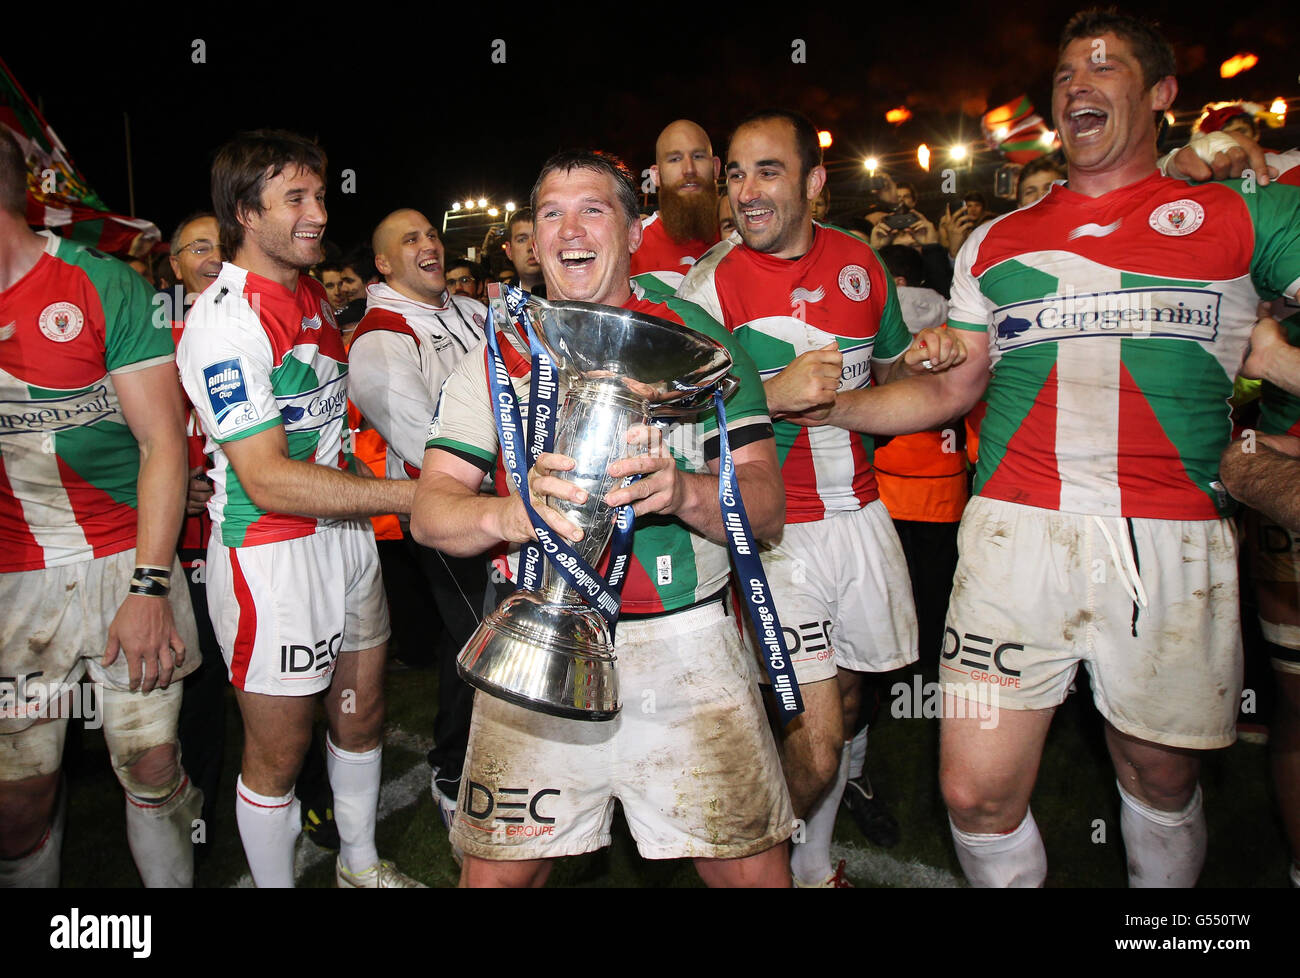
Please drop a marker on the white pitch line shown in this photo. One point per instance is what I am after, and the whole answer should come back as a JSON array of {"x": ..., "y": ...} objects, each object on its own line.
[
  {"x": 393, "y": 796},
  {"x": 882, "y": 869}
]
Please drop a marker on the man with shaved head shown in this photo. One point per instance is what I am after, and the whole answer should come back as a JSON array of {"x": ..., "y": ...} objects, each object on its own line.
[
  {"x": 686, "y": 225},
  {"x": 412, "y": 335}
]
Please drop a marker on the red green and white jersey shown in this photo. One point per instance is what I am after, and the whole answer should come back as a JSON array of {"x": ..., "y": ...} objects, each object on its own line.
[
  {"x": 663, "y": 257},
  {"x": 672, "y": 567},
  {"x": 780, "y": 308},
  {"x": 1279, "y": 412},
  {"x": 255, "y": 355},
  {"x": 68, "y": 461},
  {"x": 1116, "y": 325}
]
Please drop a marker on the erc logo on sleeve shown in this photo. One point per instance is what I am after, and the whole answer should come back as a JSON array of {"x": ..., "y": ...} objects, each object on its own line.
[
  {"x": 61, "y": 321},
  {"x": 1177, "y": 313},
  {"x": 228, "y": 395}
]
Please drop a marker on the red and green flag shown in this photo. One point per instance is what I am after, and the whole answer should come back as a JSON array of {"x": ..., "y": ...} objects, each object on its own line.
[{"x": 58, "y": 195}]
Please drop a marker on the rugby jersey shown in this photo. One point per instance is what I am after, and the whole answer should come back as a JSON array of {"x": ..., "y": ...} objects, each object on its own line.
[
  {"x": 255, "y": 355},
  {"x": 68, "y": 461},
  {"x": 779, "y": 308},
  {"x": 1116, "y": 325},
  {"x": 672, "y": 567}
]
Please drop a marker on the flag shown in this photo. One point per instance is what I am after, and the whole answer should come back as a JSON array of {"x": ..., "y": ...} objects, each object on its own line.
[
  {"x": 1017, "y": 131},
  {"x": 58, "y": 195}
]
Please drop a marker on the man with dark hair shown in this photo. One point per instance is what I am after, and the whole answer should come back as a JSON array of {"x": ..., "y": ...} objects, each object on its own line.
[
  {"x": 1036, "y": 178},
  {"x": 93, "y": 445},
  {"x": 465, "y": 277},
  {"x": 356, "y": 273},
  {"x": 1098, "y": 504},
  {"x": 698, "y": 776},
  {"x": 518, "y": 247},
  {"x": 293, "y": 577},
  {"x": 329, "y": 273},
  {"x": 685, "y": 172},
  {"x": 816, "y": 310}
]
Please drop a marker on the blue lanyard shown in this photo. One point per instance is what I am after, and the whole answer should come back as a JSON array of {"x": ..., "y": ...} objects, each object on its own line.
[{"x": 752, "y": 581}]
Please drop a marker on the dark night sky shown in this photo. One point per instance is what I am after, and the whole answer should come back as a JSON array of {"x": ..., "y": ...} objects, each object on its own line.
[{"x": 424, "y": 117}]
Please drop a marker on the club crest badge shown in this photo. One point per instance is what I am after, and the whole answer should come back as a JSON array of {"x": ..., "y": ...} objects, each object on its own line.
[
  {"x": 61, "y": 322},
  {"x": 855, "y": 283},
  {"x": 1178, "y": 217}
]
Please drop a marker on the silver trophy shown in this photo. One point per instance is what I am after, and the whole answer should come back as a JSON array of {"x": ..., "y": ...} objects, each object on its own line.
[{"x": 549, "y": 650}]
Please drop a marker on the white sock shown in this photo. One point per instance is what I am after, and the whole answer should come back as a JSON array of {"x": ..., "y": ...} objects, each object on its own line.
[
  {"x": 1005, "y": 859},
  {"x": 1164, "y": 848},
  {"x": 40, "y": 867},
  {"x": 858, "y": 754},
  {"x": 354, "y": 779},
  {"x": 160, "y": 834},
  {"x": 269, "y": 828},
  {"x": 810, "y": 861}
]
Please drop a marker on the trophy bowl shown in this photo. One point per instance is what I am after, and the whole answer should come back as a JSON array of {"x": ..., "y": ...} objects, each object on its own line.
[{"x": 549, "y": 650}]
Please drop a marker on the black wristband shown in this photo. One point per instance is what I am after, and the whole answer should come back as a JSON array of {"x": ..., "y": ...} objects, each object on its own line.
[{"x": 152, "y": 582}]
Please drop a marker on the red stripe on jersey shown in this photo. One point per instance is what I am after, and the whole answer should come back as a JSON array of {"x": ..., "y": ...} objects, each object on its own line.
[
  {"x": 864, "y": 475},
  {"x": 246, "y": 631},
  {"x": 109, "y": 526},
  {"x": 20, "y": 549},
  {"x": 802, "y": 506},
  {"x": 1153, "y": 483},
  {"x": 640, "y": 597},
  {"x": 383, "y": 321},
  {"x": 1027, "y": 474},
  {"x": 274, "y": 527}
]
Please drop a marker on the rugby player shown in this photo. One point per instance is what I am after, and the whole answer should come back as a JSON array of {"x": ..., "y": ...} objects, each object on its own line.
[
  {"x": 1118, "y": 309},
  {"x": 817, "y": 311},
  {"x": 685, "y": 173},
  {"x": 294, "y": 588},
  {"x": 697, "y": 772},
  {"x": 92, "y": 487}
]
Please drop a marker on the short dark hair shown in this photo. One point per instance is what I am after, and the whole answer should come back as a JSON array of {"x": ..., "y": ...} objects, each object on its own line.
[
  {"x": 601, "y": 162},
  {"x": 524, "y": 215},
  {"x": 904, "y": 261},
  {"x": 362, "y": 261},
  {"x": 473, "y": 267},
  {"x": 904, "y": 185},
  {"x": 1043, "y": 164},
  {"x": 327, "y": 266},
  {"x": 1154, "y": 53},
  {"x": 241, "y": 169},
  {"x": 806, "y": 142},
  {"x": 186, "y": 221},
  {"x": 13, "y": 175},
  {"x": 974, "y": 196}
]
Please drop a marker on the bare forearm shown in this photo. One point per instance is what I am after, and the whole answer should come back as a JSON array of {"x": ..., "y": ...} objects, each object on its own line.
[
  {"x": 307, "y": 489},
  {"x": 904, "y": 406},
  {"x": 764, "y": 499},
  {"x": 1264, "y": 479},
  {"x": 454, "y": 519},
  {"x": 1283, "y": 368},
  {"x": 160, "y": 495}
]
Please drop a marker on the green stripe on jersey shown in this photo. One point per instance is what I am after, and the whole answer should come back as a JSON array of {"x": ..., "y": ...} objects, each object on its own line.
[
  {"x": 1021, "y": 374},
  {"x": 1012, "y": 281}
]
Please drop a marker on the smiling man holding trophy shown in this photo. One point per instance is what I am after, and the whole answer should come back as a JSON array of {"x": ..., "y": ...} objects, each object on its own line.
[{"x": 690, "y": 756}]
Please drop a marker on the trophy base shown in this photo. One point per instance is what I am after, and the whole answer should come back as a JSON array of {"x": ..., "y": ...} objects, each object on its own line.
[{"x": 552, "y": 658}]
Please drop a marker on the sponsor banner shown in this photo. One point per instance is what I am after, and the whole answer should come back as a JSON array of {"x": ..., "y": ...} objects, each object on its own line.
[{"x": 1172, "y": 312}]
